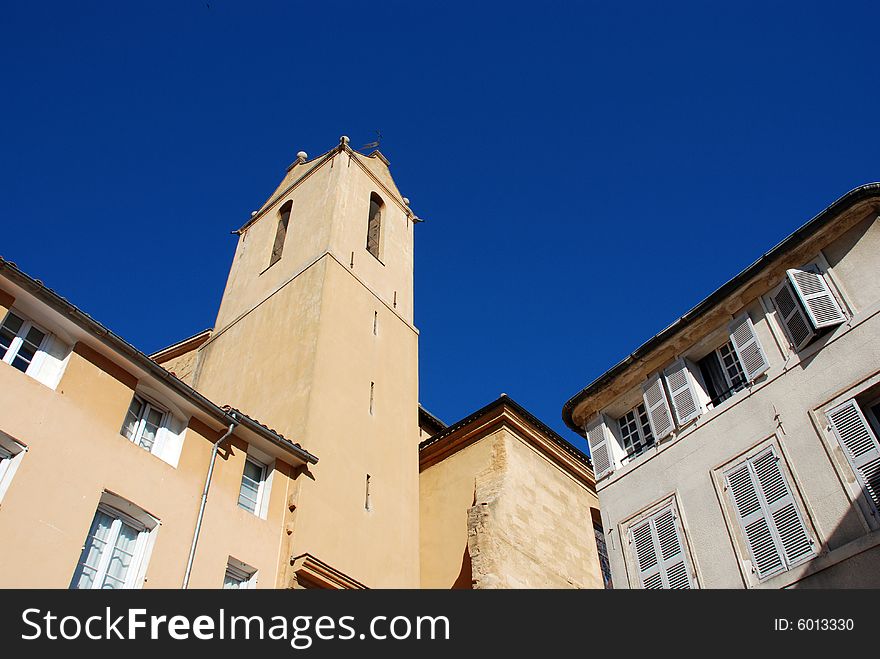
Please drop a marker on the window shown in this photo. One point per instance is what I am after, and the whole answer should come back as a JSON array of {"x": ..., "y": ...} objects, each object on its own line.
[
  {"x": 722, "y": 373},
  {"x": 674, "y": 396},
  {"x": 239, "y": 576},
  {"x": 374, "y": 225},
  {"x": 635, "y": 431},
  {"x": 253, "y": 481},
  {"x": 806, "y": 305},
  {"x": 20, "y": 340},
  {"x": 31, "y": 350},
  {"x": 116, "y": 549},
  {"x": 857, "y": 434},
  {"x": 280, "y": 232},
  {"x": 143, "y": 422},
  {"x": 659, "y": 551},
  {"x": 11, "y": 454},
  {"x": 604, "y": 563},
  {"x": 771, "y": 523}
]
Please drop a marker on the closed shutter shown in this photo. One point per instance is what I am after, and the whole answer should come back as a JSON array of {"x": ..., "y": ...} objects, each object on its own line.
[
  {"x": 860, "y": 445},
  {"x": 818, "y": 300},
  {"x": 748, "y": 348},
  {"x": 659, "y": 552},
  {"x": 774, "y": 530},
  {"x": 659, "y": 415},
  {"x": 800, "y": 331},
  {"x": 599, "y": 439},
  {"x": 681, "y": 391}
]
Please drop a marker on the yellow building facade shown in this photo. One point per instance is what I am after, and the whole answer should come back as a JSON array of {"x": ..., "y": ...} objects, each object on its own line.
[{"x": 119, "y": 469}]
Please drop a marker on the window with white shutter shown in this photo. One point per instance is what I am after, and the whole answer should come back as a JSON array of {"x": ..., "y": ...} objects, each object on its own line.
[
  {"x": 859, "y": 443},
  {"x": 659, "y": 551},
  {"x": 685, "y": 403},
  {"x": 771, "y": 522},
  {"x": 659, "y": 414},
  {"x": 32, "y": 350},
  {"x": 601, "y": 452},
  {"x": 818, "y": 300},
  {"x": 806, "y": 305},
  {"x": 749, "y": 350}
]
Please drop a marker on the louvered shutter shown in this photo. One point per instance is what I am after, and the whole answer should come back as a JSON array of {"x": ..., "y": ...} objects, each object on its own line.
[
  {"x": 748, "y": 348},
  {"x": 599, "y": 438},
  {"x": 674, "y": 566},
  {"x": 659, "y": 552},
  {"x": 659, "y": 415},
  {"x": 860, "y": 445},
  {"x": 646, "y": 553},
  {"x": 681, "y": 391},
  {"x": 787, "y": 520},
  {"x": 818, "y": 300},
  {"x": 774, "y": 530},
  {"x": 792, "y": 316}
]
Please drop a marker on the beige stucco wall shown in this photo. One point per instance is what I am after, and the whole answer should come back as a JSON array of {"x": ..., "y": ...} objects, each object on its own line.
[
  {"x": 75, "y": 451},
  {"x": 786, "y": 407},
  {"x": 524, "y": 521},
  {"x": 294, "y": 346}
]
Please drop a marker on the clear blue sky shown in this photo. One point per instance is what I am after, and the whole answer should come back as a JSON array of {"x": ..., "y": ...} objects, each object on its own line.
[{"x": 588, "y": 171}]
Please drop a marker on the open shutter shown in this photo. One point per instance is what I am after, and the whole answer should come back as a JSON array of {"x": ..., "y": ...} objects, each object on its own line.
[
  {"x": 748, "y": 349},
  {"x": 646, "y": 555},
  {"x": 818, "y": 300},
  {"x": 659, "y": 552},
  {"x": 681, "y": 391},
  {"x": 774, "y": 530},
  {"x": 800, "y": 331},
  {"x": 659, "y": 415},
  {"x": 599, "y": 438},
  {"x": 860, "y": 445}
]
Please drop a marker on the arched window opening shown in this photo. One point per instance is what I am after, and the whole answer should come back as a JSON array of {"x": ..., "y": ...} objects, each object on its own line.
[
  {"x": 281, "y": 232},
  {"x": 374, "y": 225}
]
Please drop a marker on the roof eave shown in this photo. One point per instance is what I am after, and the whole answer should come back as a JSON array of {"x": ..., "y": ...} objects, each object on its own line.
[{"x": 845, "y": 202}]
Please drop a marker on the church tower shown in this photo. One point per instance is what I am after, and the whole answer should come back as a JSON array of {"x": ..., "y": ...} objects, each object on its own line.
[{"x": 315, "y": 338}]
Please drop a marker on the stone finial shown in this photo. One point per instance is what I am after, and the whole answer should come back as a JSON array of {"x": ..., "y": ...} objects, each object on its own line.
[
  {"x": 406, "y": 201},
  {"x": 302, "y": 155},
  {"x": 343, "y": 139}
]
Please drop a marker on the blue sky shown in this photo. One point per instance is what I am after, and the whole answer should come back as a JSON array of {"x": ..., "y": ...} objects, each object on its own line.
[{"x": 588, "y": 171}]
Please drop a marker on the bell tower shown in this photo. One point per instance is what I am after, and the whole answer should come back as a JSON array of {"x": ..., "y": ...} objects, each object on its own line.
[{"x": 315, "y": 338}]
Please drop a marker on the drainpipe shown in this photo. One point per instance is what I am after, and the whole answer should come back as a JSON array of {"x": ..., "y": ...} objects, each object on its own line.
[{"x": 192, "y": 550}]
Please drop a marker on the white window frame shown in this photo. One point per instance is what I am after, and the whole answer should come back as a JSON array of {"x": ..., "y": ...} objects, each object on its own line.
[
  {"x": 242, "y": 573},
  {"x": 262, "y": 487},
  {"x": 728, "y": 381},
  {"x": 34, "y": 367},
  {"x": 11, "y": 455},
  {"x": 132, "y": 516},
  {"x": 640, "y": 431},
  {"x": 137, "y": 436}
]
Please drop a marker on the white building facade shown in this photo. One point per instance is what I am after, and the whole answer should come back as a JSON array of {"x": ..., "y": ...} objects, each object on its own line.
[{"x": 739, "y": 447}]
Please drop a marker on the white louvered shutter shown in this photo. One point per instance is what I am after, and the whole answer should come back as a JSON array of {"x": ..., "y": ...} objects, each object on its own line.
[
  {"x": 818, "y": 300},
  {"x": 599, "y": 439},
  {"x": 659, "y": 414},
  {"x": 792, "y": 316},
  {"x": 774, "y": 530},
  {"x": 748, "y": 348},
  {"x": 645, "y": 549},
  {"x": 860, "y": 445},
  {"x": 685, "y": 404},
  {"x": 659, "y": 551}
]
